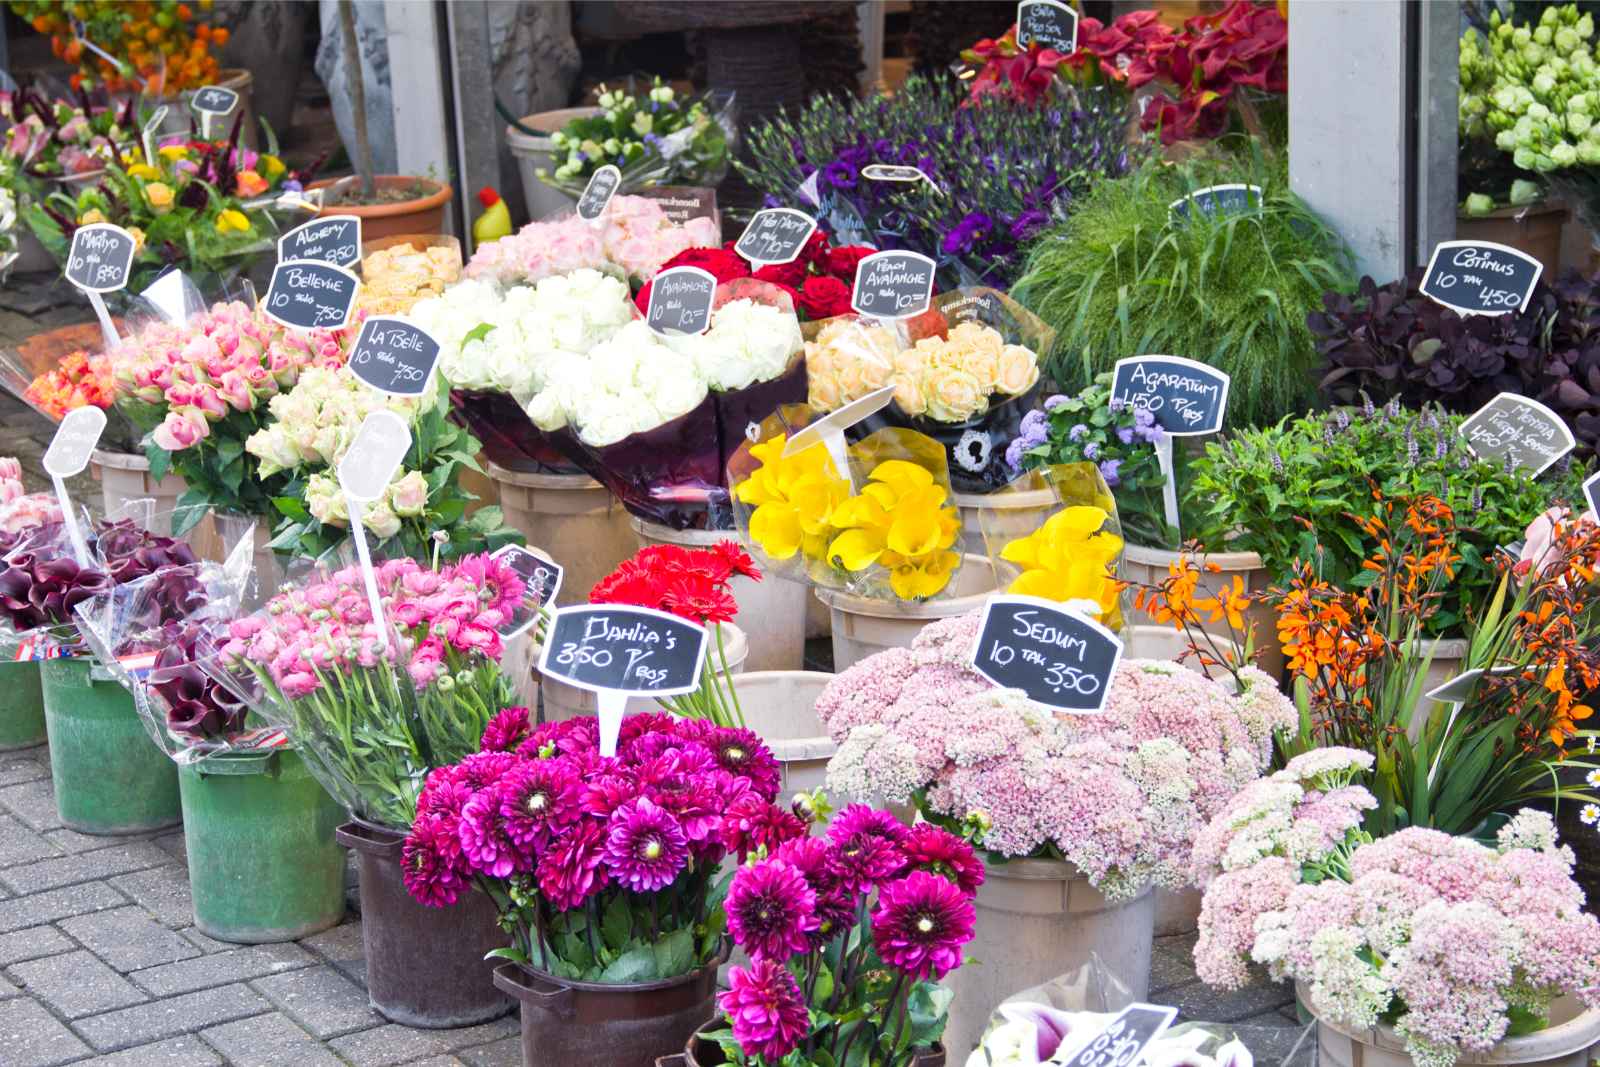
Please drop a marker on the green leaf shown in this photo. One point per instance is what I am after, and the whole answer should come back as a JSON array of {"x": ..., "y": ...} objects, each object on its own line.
[
  {"x": 293, "y": 507},
  {"x": 675, "y": 953},
  {"x": 617, "y": 925},
  {"x": 229, "y": 449},
  {"x": 191, "y": 507},
  {"x": 930, "y": 1006},
  {"x": 515, "y": 955},
  {"x": 160, "y": 461},
  {"x": 824, "y": 986},
  {"x": 477, "y": 333},
  {"x": 638, "y": 964}
]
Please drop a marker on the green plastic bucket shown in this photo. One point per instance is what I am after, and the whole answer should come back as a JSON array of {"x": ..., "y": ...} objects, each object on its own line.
[
  {"x": 263, "y": 863},
  {"x": 110, "y": 778},
  {"x": 22, "y": 706}
]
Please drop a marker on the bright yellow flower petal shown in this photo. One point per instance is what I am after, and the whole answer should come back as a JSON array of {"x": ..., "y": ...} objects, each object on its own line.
[
  {"x": 1076, "y": 522},
  {"x": 913, "y": 532},
  {"x": 918, "y": 582},
  {"x": 856, "y": 550},
  {"x": 776, "y": 528},
  {"x": 1047, "y": 585},
  {"x": 901, "y": 475}
]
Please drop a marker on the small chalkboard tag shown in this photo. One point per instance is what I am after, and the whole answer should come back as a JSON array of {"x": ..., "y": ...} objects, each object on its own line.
[
  {"x": 893, "y": 285},
  {"x": 1122, "y": 1043},
  {"x": 603, "y": 185},
  {"x": 1591, "y": 493},
  {"x": 890, "y": 172},
  {"x": 69, "y": 453},
  {"x": 305, "y": 294},
  {"x": 214, "y": 100},
  {"x": 101, "y": 257},
  {"x": 618, "y": 651},
  {"x": 332, "y": 239},
  {"x": 1214, "y": 200},
  {"x": 541, "y": 580},
  {"x": 1514, "y": 429},
  {"x": 1058, "y": 657},
  {"x": 1188, "y": 398},
  {"x": 1480, "y": 277},
  {"x": 681, "y": 301},
  {"x": 1049, "y": 24},
  {"x": 394, "y": 356},
  {"x": 776, "y": 235}
]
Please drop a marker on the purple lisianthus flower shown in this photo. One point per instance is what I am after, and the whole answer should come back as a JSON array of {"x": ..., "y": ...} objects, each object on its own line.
[
  {"x": 1077, "y": 432},
  {"x": 839, "y": 175},
  {"x": 1108, "y": 471},
  {"x": 1030, "y": 222},
  {"x": 968, "y": 232},
  {"x": 1051, "y": 403}
]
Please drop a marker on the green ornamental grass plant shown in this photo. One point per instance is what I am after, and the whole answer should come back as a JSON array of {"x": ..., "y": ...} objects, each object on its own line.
[{"x": 1123, "y": 276}]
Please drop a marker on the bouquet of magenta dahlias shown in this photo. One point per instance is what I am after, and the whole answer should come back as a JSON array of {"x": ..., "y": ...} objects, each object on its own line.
[
  {"x": 848, "y": 938},
  {"x": 373, "y": 704},
  {"x": 604, "y": 869}
]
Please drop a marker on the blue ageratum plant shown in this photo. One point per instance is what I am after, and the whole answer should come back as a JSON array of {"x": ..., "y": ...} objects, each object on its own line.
[{"x": 1002, "y": 172}]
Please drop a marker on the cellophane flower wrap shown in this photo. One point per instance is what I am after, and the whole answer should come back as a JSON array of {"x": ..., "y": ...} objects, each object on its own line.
[
  {"x": 374, "y": 706},
  {"x": 886, "y": 527},
  {"x": 1027, "y": 1031},
  {"x": 1054, "y": 533},
  {"x": 1455, "y": 943},
  {"x": 693, "y": 584},
  {"x": 966, "y": 373},
  {"x": 1120, "y": 794},
  {"x": 849, "y": 935},
  {"x": 657, "y": 137},
  {"x": 604, "y": 869}
]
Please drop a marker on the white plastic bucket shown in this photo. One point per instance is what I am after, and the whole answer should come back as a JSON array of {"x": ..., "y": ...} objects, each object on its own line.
[
  {"x": 862, "y": 627},
  {"x": 535, "y": 152},
  {"x": 1025, "y": 512},
  {"x": 125, "y": 476},
  {"x": 1148, "y": 566}
]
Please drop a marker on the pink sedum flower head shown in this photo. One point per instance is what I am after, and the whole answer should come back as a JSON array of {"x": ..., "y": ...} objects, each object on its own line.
[{"x": 920, "y": 923}]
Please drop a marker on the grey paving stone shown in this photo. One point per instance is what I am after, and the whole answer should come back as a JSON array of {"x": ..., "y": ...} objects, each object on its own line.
[
  {"x": 503, "y": 1053},
  {"x": 1179, "y": 946},
  {"x": 268, "y": 1041},
  {"x": 128, "y": 938},
  {"x": 254, "y": 961},
  {"x": 468, "y": 1036},
  {"x": 438, "y": 1061},
  {"x": 164, "y": 892},
  {"x": 32, "y": 943},
  {"x": 1200, "y": 1001},
  {"x": 204, "y": 943},
  {"x": 75, "y": 984},
  {"x": 1167, "y": 972},
  {"x": 22, "y": 912},
  {"x": 19, "y": 844},
  {"x": 84, "y": 867},
  {"x": 71, "y": 841},
  {"x": 159, "y": 1019},
  {"x": 172, "y": 843},
  {"x": 32, "y": 1037},
  {"x": 320, "y": 999},
  {"x": 34, "y": 803},
  {"x": 1278, "y": 1044},
  {"x": 384, "y": 1046},
  {"x": 26, "y": 766},
  {"x": 185, "y": 1051},
  {"x": 342, "y": 947}
]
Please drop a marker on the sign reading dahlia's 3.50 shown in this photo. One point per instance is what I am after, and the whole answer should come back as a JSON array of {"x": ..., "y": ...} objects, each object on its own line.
[
  {"x": 1513, "y": 429},
  {"x": 681, "y": 300},
  {"x": 101, "y": 257},
  {"x": 394, "y": 356},
  {"x": 1480, "y": 277},
  {"x": 332, "y": 239},
  {"x": 893, "y": 285},
  {"x": 1051, "y": 23},
  {"x": 305, "y": 294},
  {"x": 1056, "y": 656},
  {"x": 1187, "y": 398}
]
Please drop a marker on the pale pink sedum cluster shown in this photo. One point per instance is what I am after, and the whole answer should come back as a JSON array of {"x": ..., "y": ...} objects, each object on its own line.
[
  {"x": 1120, "y": 794},
  {"x": 230, "y": 358},
  {"x": 635, "y": 236}
]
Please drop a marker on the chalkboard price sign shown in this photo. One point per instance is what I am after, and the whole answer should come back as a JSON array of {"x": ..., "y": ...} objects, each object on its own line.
[
  {"x": 1591, "y": 493},
  {"x": 101, "y": 257},
  {"x": 541, "y": 582},
  {"x": 1514, "y": 429},
  {"x": 332, "y": 239},
  {"x": 776, "y": 235},
  {"x": 625, "y": 650},
  {"x": 1056, "y": 656},
  {"x": 1122, "y": 1043},
  {"x": 214, "y": 100},
  {"x": 603, "y": 185},
  {"x": 75, "y": 440},
  {"x": 1480, "y": 277},
  {"x": 681, "y": 300},
  {"x": 893, "y": 285},
  {"x": 1187, "y": 397},
  {"x": 1232, "y": 199},
  {"x": 1051, "y": 24},
  {"x": 394, "y": 356},
  {"x": 305, "y": 294}
]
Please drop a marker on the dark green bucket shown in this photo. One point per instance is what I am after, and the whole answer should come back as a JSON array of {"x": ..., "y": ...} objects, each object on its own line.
[
  {"x": 263, "y": 863},
  {"x": 21, "y": 706},
  {"x": 110, "y": 778}
]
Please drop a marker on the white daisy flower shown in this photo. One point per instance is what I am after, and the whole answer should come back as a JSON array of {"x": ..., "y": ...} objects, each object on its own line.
[
  {"x": 1590, "y": 814},
  {"x": 1593, "y": 778}
]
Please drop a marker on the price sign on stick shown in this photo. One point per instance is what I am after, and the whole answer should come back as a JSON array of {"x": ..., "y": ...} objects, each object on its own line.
[
  {"x": 1060, "y": 658},
  {"x": 305, "y": 294},
  {"x": 394, "y": 356},
  {"x": 1050, "y": 23},
  {"x": 67, "y": 456},
  {"x": 1514, "y": 429},
  {"x": 100, "y": 261},
  {"x": 148, "y": 133},
  {"x": 776, "y": 235},
  {"x": 1591, "y": 493},
  {"x": 213, "y": 101},
  {"x": 1187, "y": 397},
  {"x": 1122, "y": 1043},
  {"x": 893, "y": 285},
  {"x": 828, "y": 431},
  {"x": 617, "y": 651},
  {"x": 541, "y": 580},
  {"x": 603, "y": 185},
  {"x": 1234, "y": 199},
  {"x": 889, "y": 172},
  {"x": 333, "y": 239},
  {"x": 1480, "y": 277},
  {"x": 681, "y": 301},
  {"x": 366, "y": 470}
]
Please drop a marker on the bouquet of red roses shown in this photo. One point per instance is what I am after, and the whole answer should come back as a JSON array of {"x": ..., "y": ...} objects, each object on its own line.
[{"x": 817, "y": 282}]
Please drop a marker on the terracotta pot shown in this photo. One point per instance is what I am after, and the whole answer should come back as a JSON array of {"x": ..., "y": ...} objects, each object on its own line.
[
  {"x": 424, "y": 214},
  {"x": 1534, "y": 229},
  {"x": 703, "y": 1053}
]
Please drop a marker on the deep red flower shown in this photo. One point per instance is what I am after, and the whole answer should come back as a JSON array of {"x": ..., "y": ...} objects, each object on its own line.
[
  {"x": 842, "y": 261},
  {"x": 823, "y": 297},
  {"x": 792, "y": 274}
]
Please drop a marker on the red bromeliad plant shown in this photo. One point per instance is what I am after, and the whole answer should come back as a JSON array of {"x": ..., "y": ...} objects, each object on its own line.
[{"x": 694, "y": 584}]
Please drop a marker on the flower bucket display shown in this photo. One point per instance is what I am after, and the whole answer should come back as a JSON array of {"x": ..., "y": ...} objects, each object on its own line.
[
  {"x": 573, "y": 518},
  {"x": 22, "y": 709}
]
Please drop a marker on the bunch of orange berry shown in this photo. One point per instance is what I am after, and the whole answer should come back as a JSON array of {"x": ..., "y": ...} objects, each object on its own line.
[{"x": 156, "y": 42}]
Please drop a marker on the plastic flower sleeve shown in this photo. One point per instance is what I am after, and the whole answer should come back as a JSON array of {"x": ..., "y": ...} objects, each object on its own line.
[
  {"x": 848, "y": 357},
  {"x": 698, "y": 153},
  {"x": 1053, "y": 533}
]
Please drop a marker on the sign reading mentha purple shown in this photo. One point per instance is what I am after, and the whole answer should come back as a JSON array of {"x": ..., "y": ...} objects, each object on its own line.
[
  {"x": 1519, "y": 432},
  {"x": 1480, "y": 277}
]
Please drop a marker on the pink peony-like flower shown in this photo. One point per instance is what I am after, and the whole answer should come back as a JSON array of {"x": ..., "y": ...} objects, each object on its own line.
[
  {"x": 930, "y": 848},
  {"x": 572, "y": 870},
  {"x": 508, "y": 729},
  {"x": 645, "y": 846},
  {"x": 771, "y": 910},
  {"x": 867, "y": 847},
  {"x": 430, "y": 862},
  {"x": 484, "y": 843},
  {"x": 751, "y": 824},
  {"x": 834, "y": 909},
  {"x": 742, "y": 752},
  {"x": 920, "y": 923},
  {"x": 765, "y": 1009},
  {"x": 537, "y": 800}
]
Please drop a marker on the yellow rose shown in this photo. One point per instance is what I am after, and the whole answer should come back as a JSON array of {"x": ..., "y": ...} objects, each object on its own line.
[
  {"x": 911, "y": 362},
  {"x": 908, "y": 394},
  {"x": 983, "y": 365},
  {"x": 852, "y": 384},
  {"x": 819, "y": 359},
  {"x": 954, "y": 395},
  {"x": 138, "y": 237},
  {"x": 160, "y": 197},
  {"x": 1019, "y": 369},
  {"x": 271, "y": 166},
  {"x": 144, "y": 171},
  {"x": 94, "y": 214},
  {"x": 975, "y": 335},
  {"x": 875, "y": 373}
]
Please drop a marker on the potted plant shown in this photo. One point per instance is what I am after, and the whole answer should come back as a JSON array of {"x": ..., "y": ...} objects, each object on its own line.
[
  {"x": 604, "y": 869},
  {"x": 921, "y": 724}
]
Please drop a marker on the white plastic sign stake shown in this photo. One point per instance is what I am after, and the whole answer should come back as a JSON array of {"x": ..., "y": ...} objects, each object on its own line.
[
  {"x": 364, "y": 473},
  {"x": 212, "y": 100},
  {"x": 148, "y": 134},
  {"x": 67, "y": 457},
  {"x": 541, "y": 583},
  {"x": 891, "y": 172},
  {"x": 99, "y": 261},
  {"x": 828, "y": 431},
  {"x": 603, "y": 185}
]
